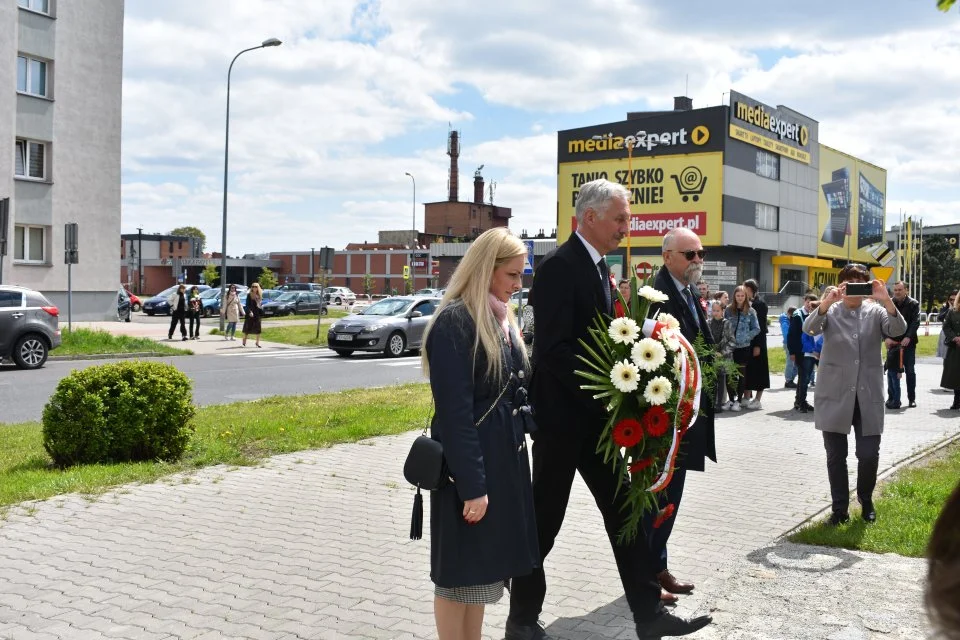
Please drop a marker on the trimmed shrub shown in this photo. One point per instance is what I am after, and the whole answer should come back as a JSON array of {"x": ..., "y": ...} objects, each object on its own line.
[{"x": 119, "y": 412}]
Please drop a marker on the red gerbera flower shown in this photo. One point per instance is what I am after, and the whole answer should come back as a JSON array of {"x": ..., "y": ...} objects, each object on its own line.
[
  {"x": 656, "y": 421},
  {"x": 664, "y": 514},
  {"x": 686, "y": 411},
  {"x": 627, "y": 432},
  {"x": 640, "y": 465}
]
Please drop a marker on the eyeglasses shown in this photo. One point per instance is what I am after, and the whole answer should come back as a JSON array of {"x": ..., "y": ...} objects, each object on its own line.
[{"x": 700, "y": 253}]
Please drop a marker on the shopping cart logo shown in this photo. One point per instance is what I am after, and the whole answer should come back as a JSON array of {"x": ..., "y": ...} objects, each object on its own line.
[{"x": 690, "y": 183}]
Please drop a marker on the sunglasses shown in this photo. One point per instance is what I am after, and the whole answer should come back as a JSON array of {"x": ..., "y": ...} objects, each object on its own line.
[{"x": 700, "y": 253}]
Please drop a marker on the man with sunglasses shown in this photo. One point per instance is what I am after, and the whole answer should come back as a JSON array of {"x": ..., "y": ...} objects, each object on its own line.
[{"x": 683, "y": 256}]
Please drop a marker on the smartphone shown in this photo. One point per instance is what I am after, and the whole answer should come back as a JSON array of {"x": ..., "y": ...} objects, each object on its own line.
[{"x": 859, "y": 289}]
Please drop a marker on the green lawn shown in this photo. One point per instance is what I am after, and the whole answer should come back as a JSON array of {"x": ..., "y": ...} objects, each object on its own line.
[
  {"x": 332, "y": 314},
  {"x": 235, "y": 434},
  {"x": 907, "y": 507},
  {"x": 90, "y": 342}
]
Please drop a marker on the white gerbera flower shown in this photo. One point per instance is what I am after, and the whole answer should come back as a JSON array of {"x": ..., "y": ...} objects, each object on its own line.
[
  {"x": 658, "y": 391},
  {"x": 670, "y": 339},
  {"x": 648, "y": 354},
  {"x": 651, "y": 294},
  {"x": 623, "y": 330},
  {"x": 625, "y": 376},
  {"x": 668, "y": 320}
]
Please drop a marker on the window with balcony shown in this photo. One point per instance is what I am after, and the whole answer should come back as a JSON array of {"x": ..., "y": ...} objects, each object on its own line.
[
  {"x": 767, "y": 216},
  {"x": 30, "y": 160},
  {"x": 768, "y": 165},
  {"x": 29, "y": 244},
  {"x": 31, "y": 76},
  {"x": 40, "y": 6}
]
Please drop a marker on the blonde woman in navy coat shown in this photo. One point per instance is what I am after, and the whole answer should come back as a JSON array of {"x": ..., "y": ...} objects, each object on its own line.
[{"x": 482, "y": 527}]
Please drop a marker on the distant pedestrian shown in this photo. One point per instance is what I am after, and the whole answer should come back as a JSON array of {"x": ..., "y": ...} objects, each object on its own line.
[
  {"x": 742, "y": 328},
  {"x": 193, "y": 312},
  {"x": 941, "y": 316},
  {"x": 723, "y": 297},
  {"x": 802, "y": 347},
  {"x": 618, "y": 309},
  {"x": 790, "y": 369},
  {"x": 851, "y": 383},
  {"x": 251, "y": 322},
  {"x": 758, "y": 366},
  {"x": 951, "y": 362},
  {"x": 178, "y": 312},
  {"x": 231, "y": 311},
  {"x": 704, "y": 289},
  {"x": 902, "y": 349},
  {"x": 717, "y": 325}
]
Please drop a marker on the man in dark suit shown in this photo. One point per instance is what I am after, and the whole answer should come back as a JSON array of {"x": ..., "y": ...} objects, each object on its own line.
[
  {"x": 682, "y": 267},
  {"x": 570, "y": 287}
]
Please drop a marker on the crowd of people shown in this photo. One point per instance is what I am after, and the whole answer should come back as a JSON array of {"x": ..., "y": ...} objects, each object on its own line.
[{"x": 495, "y": 520}]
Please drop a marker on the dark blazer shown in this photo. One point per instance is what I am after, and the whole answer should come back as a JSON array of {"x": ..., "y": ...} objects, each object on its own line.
[
  {"x": 699, "y": 442},
  {"x": 910, "y": 310},
  {"x": 489, "y": 459},
  {"x": 567, "y": 294}
]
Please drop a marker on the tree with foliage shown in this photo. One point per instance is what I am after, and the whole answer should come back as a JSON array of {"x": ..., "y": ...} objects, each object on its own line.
[
  {"x": 192, "y": 232},
  {"x": 941, "y": 269},
  {"x": 211, "y": 276},
  {"x": 267, "y": 280},
  {"x": 367, "y": 284}
]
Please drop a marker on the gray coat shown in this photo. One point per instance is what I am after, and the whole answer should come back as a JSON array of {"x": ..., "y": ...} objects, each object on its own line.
[{"x": 851, "y": 366}]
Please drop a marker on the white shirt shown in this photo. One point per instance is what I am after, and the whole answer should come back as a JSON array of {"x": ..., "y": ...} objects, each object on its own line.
[{"x": 595, "y": 256}]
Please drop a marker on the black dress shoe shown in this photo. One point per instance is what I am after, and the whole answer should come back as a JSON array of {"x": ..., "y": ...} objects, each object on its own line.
[
  {"x": 838, "y": 518},
  {"x": 913, "y": 404},
  {"x": 667, "y": 624},
  {"x": 867, "y": 512},
  {"x": 789, "y": 385},
  {"x": 517, "y": 631}
]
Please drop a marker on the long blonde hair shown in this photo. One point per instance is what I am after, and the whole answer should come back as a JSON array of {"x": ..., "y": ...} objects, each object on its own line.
[{"x": 470, "y": 286}]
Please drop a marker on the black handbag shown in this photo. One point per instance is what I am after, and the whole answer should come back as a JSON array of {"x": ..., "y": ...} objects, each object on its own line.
[{"x": 425, "y": 468}]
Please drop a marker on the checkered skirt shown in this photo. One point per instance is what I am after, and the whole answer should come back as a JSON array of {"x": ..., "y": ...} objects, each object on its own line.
[{"x": 476, "y": 594}]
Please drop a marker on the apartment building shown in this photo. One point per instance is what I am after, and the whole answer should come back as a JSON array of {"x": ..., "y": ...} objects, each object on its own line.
[{"x": 60, "y": 113}]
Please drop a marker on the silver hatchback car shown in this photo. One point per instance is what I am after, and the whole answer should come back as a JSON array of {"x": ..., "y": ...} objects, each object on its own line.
[
  {"x": 29, "y": 326},
  {"x": 391, "y": 325}
]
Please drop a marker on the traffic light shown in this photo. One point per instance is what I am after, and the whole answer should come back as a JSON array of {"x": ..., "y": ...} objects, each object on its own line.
[{"x": 406, "y": 272}]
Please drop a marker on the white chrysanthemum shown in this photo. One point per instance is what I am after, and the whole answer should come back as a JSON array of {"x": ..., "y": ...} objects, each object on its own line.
[
  {"x": 670, "y": 339},
  {"x": 658, "y": 391},
  {"x": 623, "y": 330},
  {"x": 625, "y": 376},
  {"x": 651, "y": 294},
  {"x": 668, "y": 320},
  {"x": 648, "y": 354}
]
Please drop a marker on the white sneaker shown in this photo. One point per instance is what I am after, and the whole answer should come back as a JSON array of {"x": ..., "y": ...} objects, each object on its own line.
[
  {"x": 727, "y": 406},
  {"x": 735, "y": 406},
  {"x": 755, "y": 404}
]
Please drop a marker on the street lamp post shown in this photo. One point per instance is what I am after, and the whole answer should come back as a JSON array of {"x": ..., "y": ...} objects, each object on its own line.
[
  {"x": 269, "y": 42},
  {"x": 413, "y": 277},
  {"x": 140, "y": 261}
]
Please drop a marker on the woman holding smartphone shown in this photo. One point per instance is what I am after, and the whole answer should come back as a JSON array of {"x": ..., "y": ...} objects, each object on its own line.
[{"x": 853, "y": 318}]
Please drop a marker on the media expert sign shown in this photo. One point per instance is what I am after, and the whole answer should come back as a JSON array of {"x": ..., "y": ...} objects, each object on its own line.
[
  {"x": 769, "y": 128},
  {"x": 666, "y": 192}
]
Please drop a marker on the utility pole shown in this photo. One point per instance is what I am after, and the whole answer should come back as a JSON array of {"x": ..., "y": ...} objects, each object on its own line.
[{"x": 140, "y": 261}]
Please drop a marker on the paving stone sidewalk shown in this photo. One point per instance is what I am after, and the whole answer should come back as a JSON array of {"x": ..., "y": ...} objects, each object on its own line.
[{"x": 314, "y": 545}]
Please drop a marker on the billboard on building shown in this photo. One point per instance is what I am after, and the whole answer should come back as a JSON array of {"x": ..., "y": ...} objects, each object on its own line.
[
  {"x": 852, "y": 208},
  {"x": 775, "y": 129},
  {"x": 672, "y": 164}
]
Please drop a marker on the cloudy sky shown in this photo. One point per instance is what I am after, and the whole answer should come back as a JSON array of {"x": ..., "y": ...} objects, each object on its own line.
[{"x": 324, "y": 127}]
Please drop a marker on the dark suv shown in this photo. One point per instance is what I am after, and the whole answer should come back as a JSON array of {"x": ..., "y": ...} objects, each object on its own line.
[{"x": 29, "y": 326}]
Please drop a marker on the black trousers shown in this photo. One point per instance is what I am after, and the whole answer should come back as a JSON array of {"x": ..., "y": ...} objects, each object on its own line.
[
  {"x": 658, "y": 537},
  {"x": 174, "y": 319},
  {"x": 868, "y": 460},
  {"x": 556, "y": 458},
  {"x": 194, "y": 323}
]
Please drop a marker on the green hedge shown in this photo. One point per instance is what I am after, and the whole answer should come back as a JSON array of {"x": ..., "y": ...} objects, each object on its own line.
[{"x": 119, "y": 412}]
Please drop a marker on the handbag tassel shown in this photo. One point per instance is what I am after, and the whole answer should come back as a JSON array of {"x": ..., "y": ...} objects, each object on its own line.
[{"x": 416, "y": 520}]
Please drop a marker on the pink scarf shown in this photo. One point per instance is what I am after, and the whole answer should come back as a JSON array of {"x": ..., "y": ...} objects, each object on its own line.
[{"x": 499, "y": 310}]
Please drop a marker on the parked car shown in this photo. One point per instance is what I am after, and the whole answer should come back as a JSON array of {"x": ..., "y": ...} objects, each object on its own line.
[
  {"x": 339, "y": 295},
  {"x": 300, "y": 286},
  {"x": 268, "y": 295},
  {"x": 29, "y": 326},
  {"x": 295, "y": 302},
  {"x": 135, "y": 303},
  {"x": 124, "y": 305},
  {"x": 523, "y": 294},
  {"x": 433, "y": 293},
  {"x": 391, "y": 325},
  {"x": 160, "y": 303}
]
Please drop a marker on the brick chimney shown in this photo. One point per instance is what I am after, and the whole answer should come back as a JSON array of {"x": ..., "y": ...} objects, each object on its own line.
[
  {"x": 478, "y": 186},
  {"x": 453, "y": 150},
  {"x": 682, "y": 103}
]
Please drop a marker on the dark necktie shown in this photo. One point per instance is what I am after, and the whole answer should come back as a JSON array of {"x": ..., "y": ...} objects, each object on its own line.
[
  {"x": 605, "y": 282},
  {"x": 691, "y": 305}
]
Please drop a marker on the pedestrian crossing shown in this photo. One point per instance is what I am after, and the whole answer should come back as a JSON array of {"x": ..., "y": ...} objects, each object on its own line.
[{"x": 322, "y": 356}]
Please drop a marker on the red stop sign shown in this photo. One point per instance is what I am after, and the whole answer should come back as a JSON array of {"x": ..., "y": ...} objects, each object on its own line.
[{"x": 644, "y": 270}]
